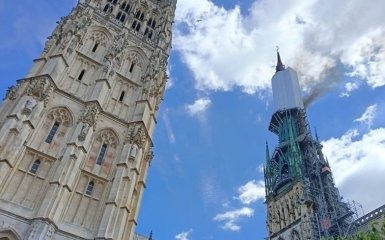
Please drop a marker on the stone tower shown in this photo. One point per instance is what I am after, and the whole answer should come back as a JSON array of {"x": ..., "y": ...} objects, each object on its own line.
[
  {"x": 302, "y": 200},
  {"x": 75, "y": 133}
]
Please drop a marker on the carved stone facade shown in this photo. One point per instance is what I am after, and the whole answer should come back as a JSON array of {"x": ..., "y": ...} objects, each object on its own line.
[
  {"x": 76, "y": 133},
  {"x": 289, "y": 214}
]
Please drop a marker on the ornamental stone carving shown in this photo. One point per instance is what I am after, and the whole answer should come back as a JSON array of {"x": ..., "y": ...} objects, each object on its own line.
[
  {"x": 134, "y": 151},
  {"x": 30, "y": 104},
  {"x": 39, "y": 88},
  {"x": 100, "y": 38},
  {"x": 76, "y": 25},
  {"x": 108, "y": 137},
  {"x": 61, "y": 115},
  {"x": 149, "y": 156},
  {"x": 137, "y": 134},
  {"x": 112, "y": 60},
  {"x": 11, "y": 93},
  {"x": 88, "y": 119}
]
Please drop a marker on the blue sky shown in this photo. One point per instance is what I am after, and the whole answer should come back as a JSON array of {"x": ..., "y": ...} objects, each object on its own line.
[{"x": 205, "y": 179}]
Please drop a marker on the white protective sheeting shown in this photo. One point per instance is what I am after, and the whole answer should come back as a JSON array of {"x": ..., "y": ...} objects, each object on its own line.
[{"x": 286, "y": 90}]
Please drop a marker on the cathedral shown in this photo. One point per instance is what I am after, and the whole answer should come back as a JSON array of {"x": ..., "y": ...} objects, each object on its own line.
[
  {"x": 301, "y": 197},
  {"x": 76, "y": 132}
]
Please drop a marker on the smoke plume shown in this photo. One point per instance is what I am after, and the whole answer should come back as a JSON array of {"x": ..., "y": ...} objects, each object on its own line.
[{"x": 330, "y": 79}]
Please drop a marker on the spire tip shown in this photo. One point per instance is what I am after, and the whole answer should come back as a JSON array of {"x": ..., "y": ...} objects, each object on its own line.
[{"x": 280, "y": 66}]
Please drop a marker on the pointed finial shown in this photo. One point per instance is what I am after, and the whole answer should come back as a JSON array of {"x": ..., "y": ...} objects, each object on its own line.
[
  {"x": 280, "y": 66},
  {"x": 267, "y": 152},
  {"x": 316, "y": 134},
  {"x": 150, "y": 238}
]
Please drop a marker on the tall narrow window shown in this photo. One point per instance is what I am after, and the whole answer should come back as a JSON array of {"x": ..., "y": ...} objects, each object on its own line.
[
  {"x": 122, "y": 96},
  {"x": 134, "y": 23},
  {"x": 137, "y": 15},
  {"x": 132, "y": 67},
  {"x": 81, "y": 75},
  {"x": 95, "y": 47},
  {"x": 102, "y": 153},
  {"x": 121, "y": 16},
  {"x": 137, "y": 27},
  {"x": 125, "y": 7},
  {"x": 35, "y": 167},
  {"x": 90, "y": 188},
  {"x": 106, "y": 8},
  {"x": 52, "y": 133}
]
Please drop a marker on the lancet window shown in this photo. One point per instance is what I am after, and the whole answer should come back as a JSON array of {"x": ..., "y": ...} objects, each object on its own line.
[
  {"x": 90, "y": 188},
  {"x": 35, "y": 167},
  {"x": 52, "y": 133},
  {"x": 138, "y": 21}
]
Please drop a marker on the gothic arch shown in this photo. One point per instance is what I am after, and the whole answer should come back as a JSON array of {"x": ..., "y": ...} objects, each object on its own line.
[
  {"x": 108, "y": 136},
  {"x": 55, "y": 126},
  {"x": 138, "y": 51},
  {"x": 102, "y": 31},
  {"x": 142, "y": 6},
  {"x": 62, "y": 114},
  {"x": 133, "y": 57},
  {"x": 9, "y": 234},
  {"x": 103, "y": 152}
]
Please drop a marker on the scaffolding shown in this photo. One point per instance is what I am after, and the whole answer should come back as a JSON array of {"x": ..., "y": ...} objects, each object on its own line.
[{"x": 301, "y": 154}]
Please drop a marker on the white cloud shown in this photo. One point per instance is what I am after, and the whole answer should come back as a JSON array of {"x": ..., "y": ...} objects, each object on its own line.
[
  {"x": 251, "y": 192},
  {"x": 358, "y": 164},
  {"x": 230, "y": 219},
  {"x": 199, "y": 107},
  {"x": 183, "y": 235},
  {"x": 368, "y": 116},
  {"x": 348, "y": 88},
  {"x": 322, "y": 39}
]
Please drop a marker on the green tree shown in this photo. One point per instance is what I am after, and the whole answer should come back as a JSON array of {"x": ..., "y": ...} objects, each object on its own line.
[{"x": 376, "y": 232}]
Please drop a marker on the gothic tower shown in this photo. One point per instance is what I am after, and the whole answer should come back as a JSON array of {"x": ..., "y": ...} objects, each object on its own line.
[
  {"x": 76, "y": 132},
  {"x": 302, "y": 200}
]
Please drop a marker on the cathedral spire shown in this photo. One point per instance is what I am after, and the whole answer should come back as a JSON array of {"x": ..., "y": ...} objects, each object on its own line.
[{"x": 280, "y": 66}]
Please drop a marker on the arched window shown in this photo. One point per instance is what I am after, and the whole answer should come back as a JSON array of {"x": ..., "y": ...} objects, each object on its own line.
[
  {"x": 81, "y": 75},
  {"x": 90, "y": 188},
  {"x": 139, "y": 15},
  {"x": 148, "y": 33},
  {"x": 108, "y": 8},
  {"x": 121, "y": 98},
  {"x": 35, "y": 167},
  {"x": 95, "y": 47},
  {"x": 101, "y": 155},
  {"x": 125, "y": 7},
  {"x": 121, "y": 16},
  {"x": 151, "y": 23},
  {"x": 136, "y": 25},
  {"x": 52, "y": 133}
]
